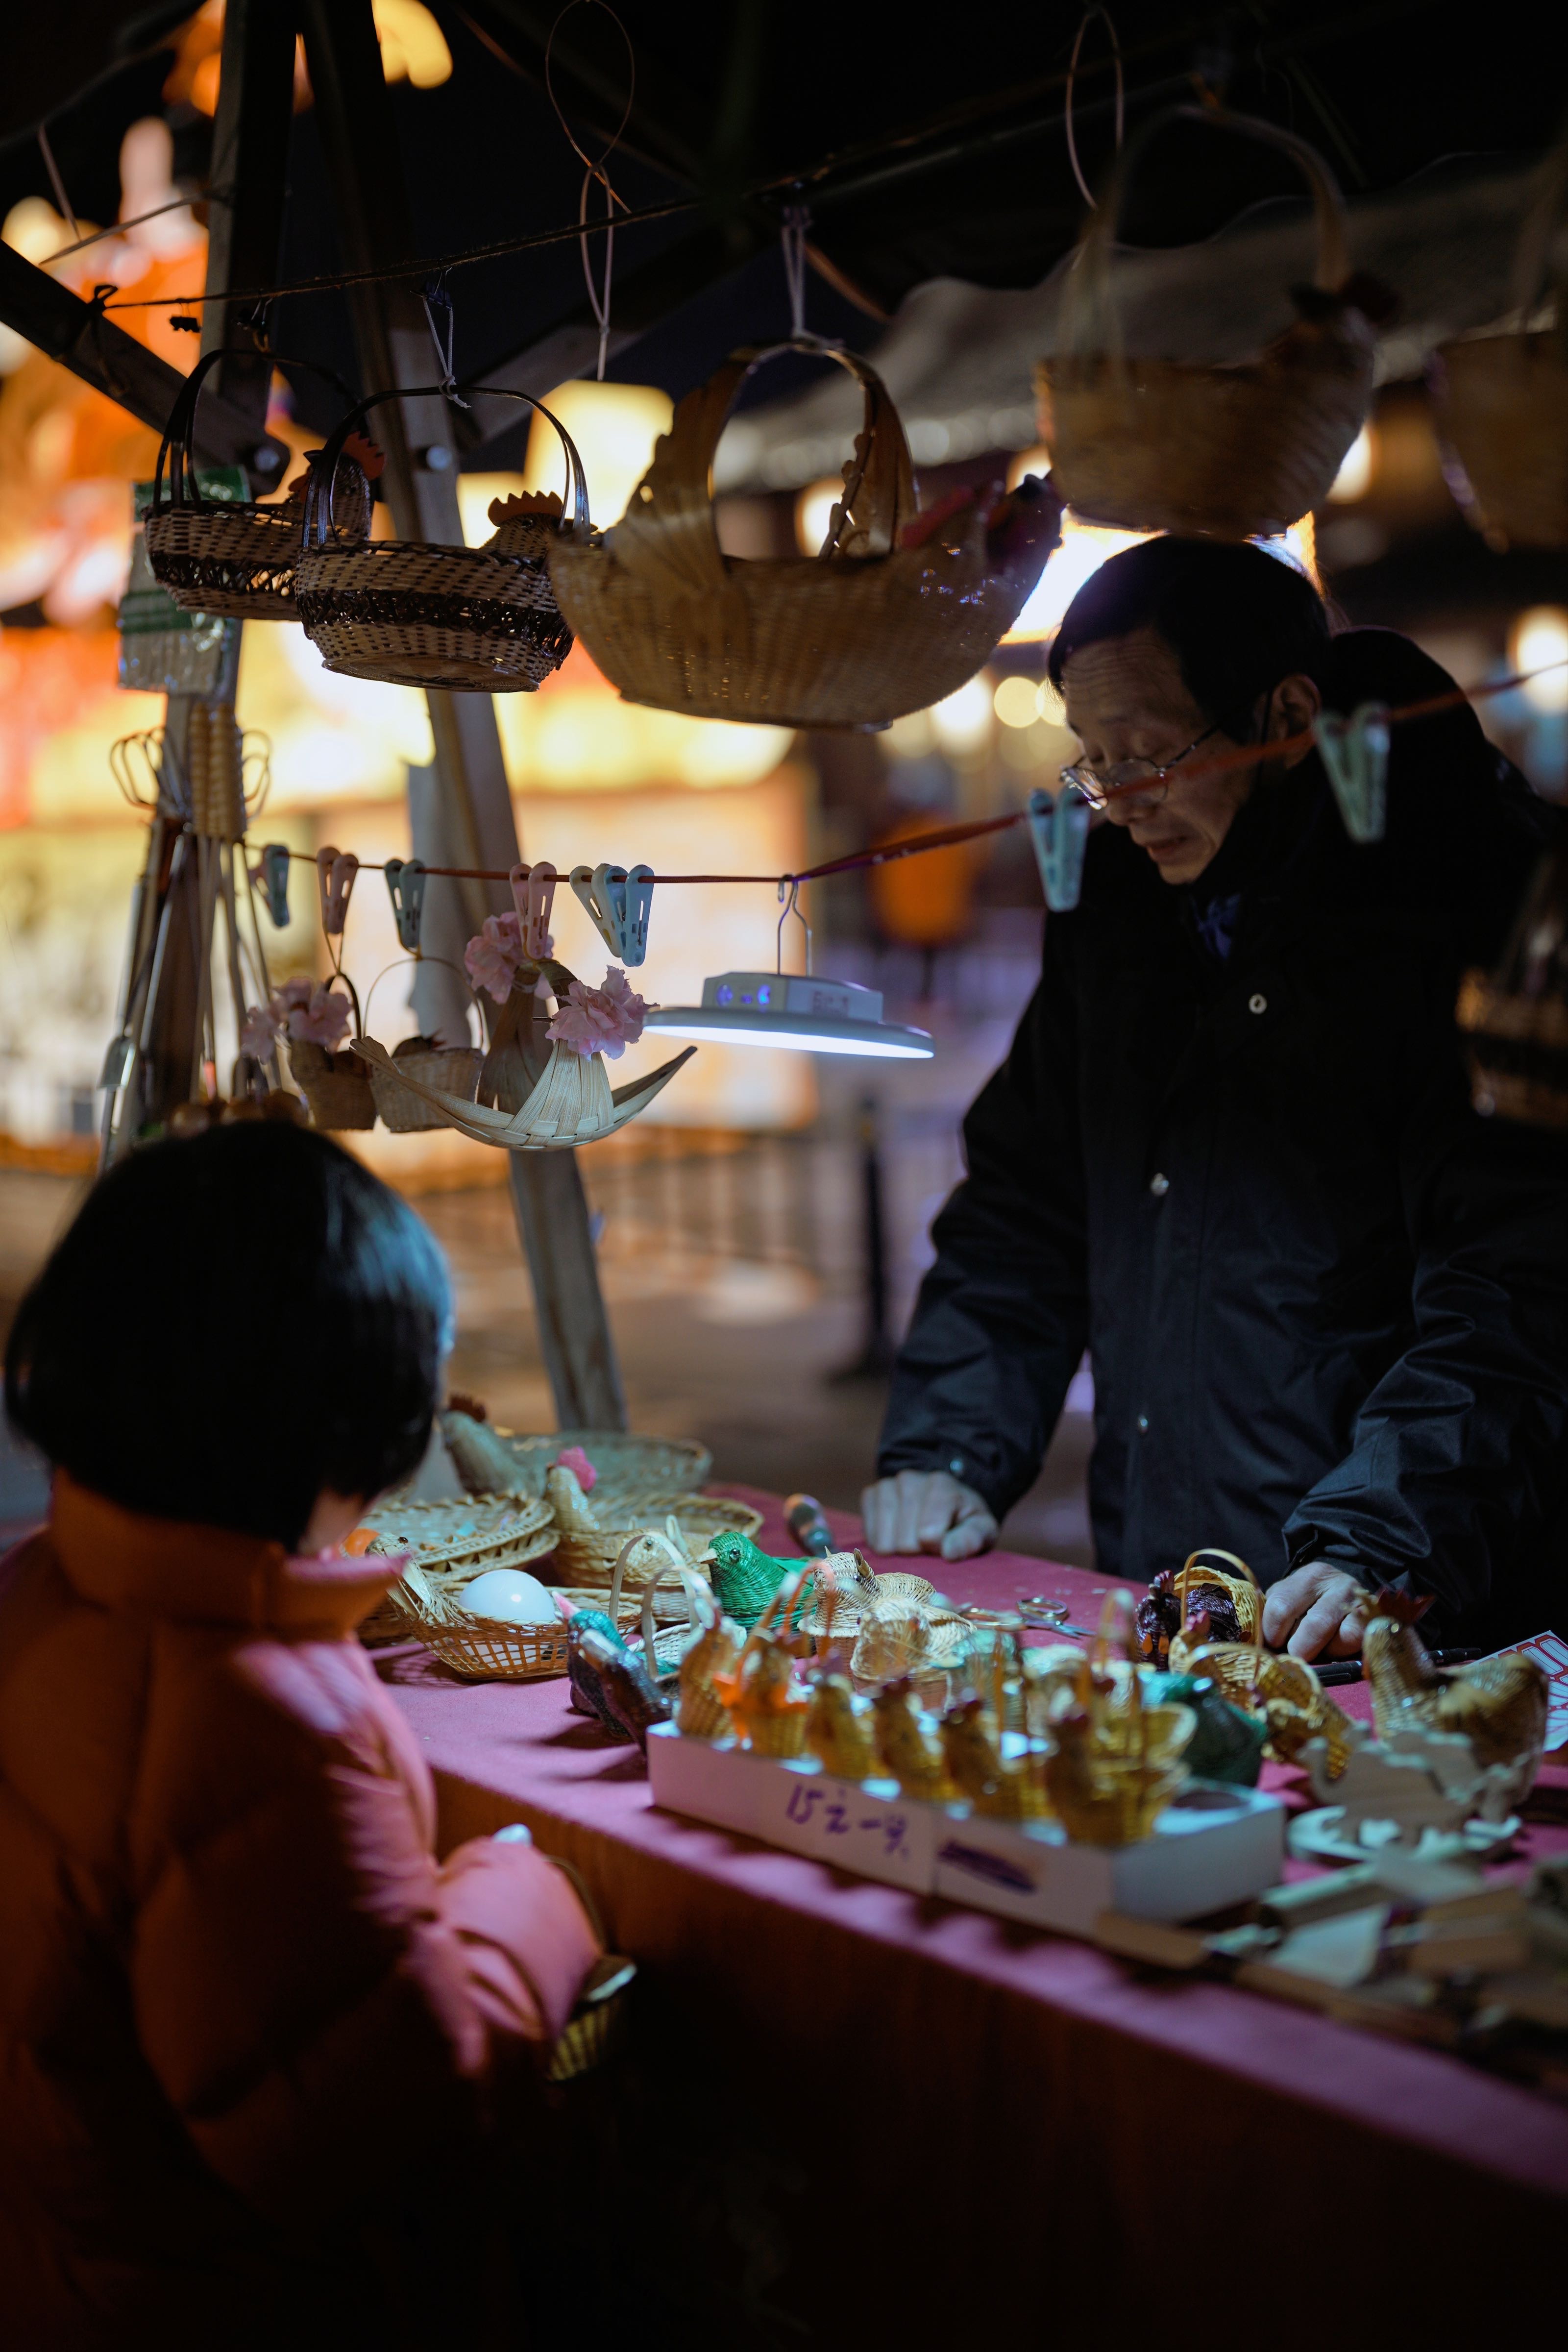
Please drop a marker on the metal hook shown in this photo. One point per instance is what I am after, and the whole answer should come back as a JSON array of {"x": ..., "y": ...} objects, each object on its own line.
[
  {"x": 405, "y": 888},
  {"x": 791, "y": 884}
]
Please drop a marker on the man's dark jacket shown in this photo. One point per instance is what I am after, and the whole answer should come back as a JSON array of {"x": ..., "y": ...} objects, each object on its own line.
[{"x": 1325, "y": 1302}]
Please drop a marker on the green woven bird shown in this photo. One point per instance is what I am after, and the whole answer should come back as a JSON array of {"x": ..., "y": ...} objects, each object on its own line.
[{"x": 745, "y": 1578}]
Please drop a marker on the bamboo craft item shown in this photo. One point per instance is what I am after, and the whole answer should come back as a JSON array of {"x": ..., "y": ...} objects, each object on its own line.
[
  {"x": 230, "y": 557},
  {"x": 598, "y": 2020},
  {"x": 490, "y": 1460},
  {"x": 442, "y": 1069},
  {"x": 1238, "y": 451},
  {"x": 571, "y": 1103},
  {"x": 588, "y": 1551},
  {"x": 870, "y": 629},
  {"x": 475, "y": 620},
  {"x": 1501, "y": 401},
  {"x": 484, "y": 1649}
]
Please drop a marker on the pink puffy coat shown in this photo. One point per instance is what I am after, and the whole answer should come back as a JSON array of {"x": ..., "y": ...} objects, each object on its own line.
[{"x": 239, "y": 1998}]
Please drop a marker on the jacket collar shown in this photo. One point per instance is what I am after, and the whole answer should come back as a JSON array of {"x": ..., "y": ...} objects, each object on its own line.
[{"x": 192, "y": 1575}]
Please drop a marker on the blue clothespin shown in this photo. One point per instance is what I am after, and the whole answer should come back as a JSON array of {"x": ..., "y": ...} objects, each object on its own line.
[
  {"x": 1058, "y": 826},
  {"x": 273, "y": 872},
  {"x": 1355, "y": 751},
  {"x": 405, "y": 888},
  {"x": 617, "y": 904}
]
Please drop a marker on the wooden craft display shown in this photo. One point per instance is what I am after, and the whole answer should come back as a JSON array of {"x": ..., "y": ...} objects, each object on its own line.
[
  {"x": 1501, "y": 401},
  {"x": 1237, "y": 451},
  {"x": 476, "y": 620},
  {"x": 871, "y": 628}
]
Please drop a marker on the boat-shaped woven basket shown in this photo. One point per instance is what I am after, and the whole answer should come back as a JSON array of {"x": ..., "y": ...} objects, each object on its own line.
[
  {"x": 1501, "y": 401},
  {"x": 870, "y": 629},
  {"x": 571, "y": 1103},
  {"x": 1235, "y": 452},
  {"x": 482, "y": 620},
  {"x": 231, "y": 557}
]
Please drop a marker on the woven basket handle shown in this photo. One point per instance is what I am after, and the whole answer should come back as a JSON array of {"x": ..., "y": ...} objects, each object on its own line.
[
  {"x": 667, "y": 537},
  {"x": 319, "y": 528},
  {"x": 175, "y": 446},
  {"x": 446, "y": 964},
  {"x": 1088, "y": 293}
]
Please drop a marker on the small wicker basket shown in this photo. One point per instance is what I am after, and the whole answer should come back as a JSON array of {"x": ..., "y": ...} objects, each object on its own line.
[
  {"x": 232, "y": 557},
  {"x": 484, "y": 1649},
  {"x": 452, "y": 1543},
  {"x": 598, "y": 2022},
  {"x": 454, "y": 1068},
  {"x": 587, "y": 1555},
  {"x": 1501, "y": 401},
  {"x": 334, "y": 1084},
  {"x": 1238, "y": 452},
  {"x": 868, "y": 631},
  {"x": 476, "y": 620}
]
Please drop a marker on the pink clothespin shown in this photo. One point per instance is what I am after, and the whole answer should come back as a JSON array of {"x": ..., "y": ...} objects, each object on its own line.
[
  {"x": 533, "y": 895},
  {"x": 335, "y": 871}
]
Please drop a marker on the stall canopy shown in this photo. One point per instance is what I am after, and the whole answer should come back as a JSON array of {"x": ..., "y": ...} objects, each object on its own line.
[{"x": 930, "y": 151}]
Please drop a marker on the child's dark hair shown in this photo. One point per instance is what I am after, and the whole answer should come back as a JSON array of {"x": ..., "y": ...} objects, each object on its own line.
[
  {"x": 231, "y": 1325},
  {"x": 1237, "y": 620}
]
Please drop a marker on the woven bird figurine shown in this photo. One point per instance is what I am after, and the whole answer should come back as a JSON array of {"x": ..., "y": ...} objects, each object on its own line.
[
  {"x": 744, "y": 1578},
  {"x": 1499, "y": 1704}
]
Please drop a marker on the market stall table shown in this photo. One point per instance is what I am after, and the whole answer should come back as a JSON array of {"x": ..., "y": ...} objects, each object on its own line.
[{"x": 950, "y": 2115}]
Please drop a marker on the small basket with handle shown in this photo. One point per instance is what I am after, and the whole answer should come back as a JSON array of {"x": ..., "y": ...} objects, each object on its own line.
[
  {"x": 333, "y": 1084},
  {"x": 598, "y": 2020},
  {"x": 889, "y": 618},
  {"x": 454, "y": 1069},
  {"x": 1238, "y": 451},
  {"x": 483, "y": 1649},
  {"x": 587, "y": 1555},
  {"x": 478, "y": 619},
  {"x": 1501, "y": 401},
  {"x": 232, "y": 557}
]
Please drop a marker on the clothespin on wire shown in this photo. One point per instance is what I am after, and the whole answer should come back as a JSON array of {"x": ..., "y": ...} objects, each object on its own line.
[
  {"x": 272, "y": 873},
  {"x": 335, "y": 871},
  {"x": 1355, "y": 751},
  {"x": 405, "y": 888},
  {"x": 617, "y": 904},
  {"x": 442, "y": 323},
  {"x": 533, "y": 895},
  {"x": 1059, "y": 827}
]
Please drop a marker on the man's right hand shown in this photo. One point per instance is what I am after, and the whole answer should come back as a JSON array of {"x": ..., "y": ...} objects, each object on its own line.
[{"x": 926, "y": 1510}]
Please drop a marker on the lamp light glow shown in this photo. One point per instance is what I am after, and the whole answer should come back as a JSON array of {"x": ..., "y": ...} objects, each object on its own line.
[{"x": 795, "y": 1013}]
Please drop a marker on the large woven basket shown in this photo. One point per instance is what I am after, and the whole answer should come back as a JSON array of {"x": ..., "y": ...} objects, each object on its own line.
[
  {"x": 478, "y": 619},
  {"x": 229, "y": 556},
  {"x": 629, "y": 1465},
  {"x": 1501, "y": 401},
  {"x": 866, "y": 631},
  {"x": 586, "y": 1558},
  {"x": 1235, "y": 452}
]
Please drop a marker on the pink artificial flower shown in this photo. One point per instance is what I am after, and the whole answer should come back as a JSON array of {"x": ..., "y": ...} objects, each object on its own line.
[
  {"x": 325, "y": 1021},
  {"x": 262, "y": 1033},
  {"x": 493, "y": 956},
  {"x": 296, "y": 991},
  {"x": 573, "y": 1458},
  {"x": 600, "y": 1020}
]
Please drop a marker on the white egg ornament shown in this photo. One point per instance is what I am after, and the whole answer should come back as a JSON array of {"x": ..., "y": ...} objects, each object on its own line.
[{"x": 512, "y": 1595}]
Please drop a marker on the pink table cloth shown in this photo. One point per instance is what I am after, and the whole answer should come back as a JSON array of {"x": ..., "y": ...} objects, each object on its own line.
[{"x": 1163, "y": 2150}]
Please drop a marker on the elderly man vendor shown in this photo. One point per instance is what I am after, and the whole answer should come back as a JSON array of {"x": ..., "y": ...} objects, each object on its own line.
[{"x": 1233, "y": 1151}]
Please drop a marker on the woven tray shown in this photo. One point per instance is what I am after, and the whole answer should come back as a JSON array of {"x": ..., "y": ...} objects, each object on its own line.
[
  {"x": 629, "y": 1464},
  {"x": 466, "y": 1535},
  {"x": 587, "y": 1559}
]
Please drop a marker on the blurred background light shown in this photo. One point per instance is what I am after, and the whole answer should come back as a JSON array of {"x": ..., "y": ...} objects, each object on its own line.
[
  {"x": 813, "y": 511},
  {"x": 1017, "y": 701},
  {"x": 963, "y": 721},
  {"x": 614, "y": 426},
  {"x": 1540, "y": 637},
  {"x": 1355, "y": 477}
]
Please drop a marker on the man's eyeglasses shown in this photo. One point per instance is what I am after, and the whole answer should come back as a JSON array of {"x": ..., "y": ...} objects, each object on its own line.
[{"x": 1145, "y": 780}]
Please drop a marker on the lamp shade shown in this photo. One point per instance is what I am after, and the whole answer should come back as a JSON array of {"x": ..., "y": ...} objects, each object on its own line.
[{"x": 802, "y": 1015}]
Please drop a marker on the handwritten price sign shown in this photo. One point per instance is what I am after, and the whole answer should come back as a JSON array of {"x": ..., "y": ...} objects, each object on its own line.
[{"x": 852, "y": 1826}]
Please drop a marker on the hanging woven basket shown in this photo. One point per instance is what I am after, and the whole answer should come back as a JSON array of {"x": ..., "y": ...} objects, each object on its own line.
[
  {"x": 444, "y": 1069},
  {"x": 1501, "y": 401},
  {"x": 480, "y": 620},
  {"x": 890, "y": 617},
  {"x": 228, "y": 557},
  {"x": 1234, "y": 452}
]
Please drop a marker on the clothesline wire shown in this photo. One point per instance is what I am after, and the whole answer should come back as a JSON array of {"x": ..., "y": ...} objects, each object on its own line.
[{"x": 950, "y": 837}]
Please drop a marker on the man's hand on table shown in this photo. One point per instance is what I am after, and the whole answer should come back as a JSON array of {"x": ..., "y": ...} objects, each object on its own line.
[
  {"x": 1320, "y": 1607},
  {"x": 926, "y": 1510}
]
